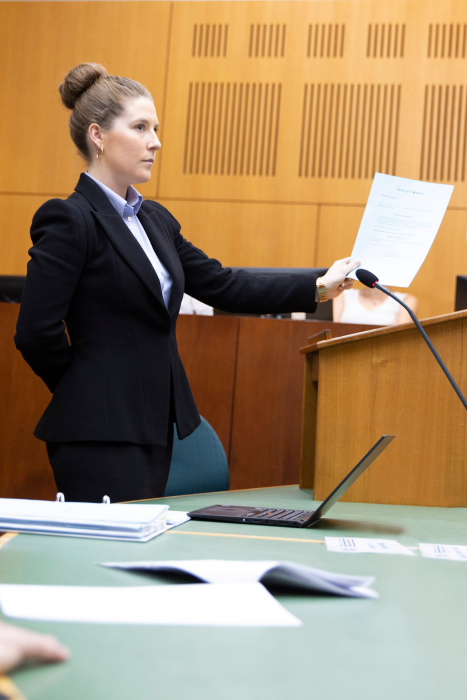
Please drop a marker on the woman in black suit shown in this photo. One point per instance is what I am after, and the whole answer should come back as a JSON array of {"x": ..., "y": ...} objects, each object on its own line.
[{"x": 112, "y": 270}]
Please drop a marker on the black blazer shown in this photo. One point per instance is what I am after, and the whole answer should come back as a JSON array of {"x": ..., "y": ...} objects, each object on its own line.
[{"x": 112, "y": 376}]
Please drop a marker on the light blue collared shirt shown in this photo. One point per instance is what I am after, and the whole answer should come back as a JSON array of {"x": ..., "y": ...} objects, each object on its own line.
[{"x": 128, "y": 210}]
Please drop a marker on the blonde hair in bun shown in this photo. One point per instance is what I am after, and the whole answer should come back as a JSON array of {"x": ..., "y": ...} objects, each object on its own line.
[{"x": 95, "y": 97}]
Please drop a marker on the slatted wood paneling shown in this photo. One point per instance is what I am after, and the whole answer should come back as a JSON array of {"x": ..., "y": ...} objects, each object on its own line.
[
  {"x": 447, "y": 41},
  {"x": 349, "y": 131},
  {"x": 232, "y": 129},
  {"x": 325, "y": 41},
  {"x": 210, "y": 40},
  {"x": 444, "y": 136},
  {"x": 267, "y": 41},
  {"x": 375, "y": 134},
  {"x": 385, "y": 41}
]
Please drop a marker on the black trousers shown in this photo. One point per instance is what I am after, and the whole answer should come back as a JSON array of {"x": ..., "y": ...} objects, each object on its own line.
[{"x": 123, "y": 471}]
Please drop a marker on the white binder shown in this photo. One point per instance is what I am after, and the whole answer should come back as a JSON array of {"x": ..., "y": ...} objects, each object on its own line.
[{"x": 117, "y": 521}]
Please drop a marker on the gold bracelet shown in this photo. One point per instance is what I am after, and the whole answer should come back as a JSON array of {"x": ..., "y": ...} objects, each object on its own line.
[{"x": 321, "y": 289}]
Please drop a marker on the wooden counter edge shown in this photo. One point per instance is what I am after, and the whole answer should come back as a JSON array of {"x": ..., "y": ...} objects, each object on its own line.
[{"x": 381, "y": 331}]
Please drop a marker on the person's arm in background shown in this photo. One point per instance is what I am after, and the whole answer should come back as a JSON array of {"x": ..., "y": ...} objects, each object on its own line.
[
  {"x": 337, "y": 308},
  {"x": 403, "y": 315},
  {"x": 57, "y": 258},
  {"x": 19, "y": 646},
  {"x": 241, "y": 291}
]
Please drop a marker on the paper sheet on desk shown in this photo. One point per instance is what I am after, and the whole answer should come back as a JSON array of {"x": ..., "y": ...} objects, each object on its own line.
[
  {"x": 365, "y": 545},
  {"x": 290, "y": 574},
  {"x": 399, "y": 225},
  {"x": 455, "y": 552},
  {"x": 235, "y": 605}
]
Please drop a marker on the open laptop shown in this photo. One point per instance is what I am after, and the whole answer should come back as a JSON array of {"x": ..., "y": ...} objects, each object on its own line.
[{"x": 284, "y": 517}]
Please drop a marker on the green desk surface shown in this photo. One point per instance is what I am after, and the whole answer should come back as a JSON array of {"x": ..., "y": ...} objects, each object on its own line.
[{"x": 411, "y": 643}]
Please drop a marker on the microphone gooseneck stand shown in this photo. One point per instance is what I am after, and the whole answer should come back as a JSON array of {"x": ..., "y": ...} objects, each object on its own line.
[{"x": 370, "y": 280}]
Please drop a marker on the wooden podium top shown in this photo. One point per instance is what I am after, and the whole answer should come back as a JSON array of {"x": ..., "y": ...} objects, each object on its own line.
[{"x": 386, "y": 330}]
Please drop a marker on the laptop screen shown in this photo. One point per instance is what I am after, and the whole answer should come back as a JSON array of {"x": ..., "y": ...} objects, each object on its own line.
[{"x": 352, "y": 477}]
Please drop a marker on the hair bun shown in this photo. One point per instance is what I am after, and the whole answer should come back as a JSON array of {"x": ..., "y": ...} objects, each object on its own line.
[{"x": 78, "y": 80}]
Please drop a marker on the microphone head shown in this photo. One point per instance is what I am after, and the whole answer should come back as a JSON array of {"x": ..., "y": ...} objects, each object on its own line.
[{"x": 366, "y": 277}]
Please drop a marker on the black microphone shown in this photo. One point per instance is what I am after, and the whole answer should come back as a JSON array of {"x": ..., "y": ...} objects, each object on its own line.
[{"x": 370, "y": 280}]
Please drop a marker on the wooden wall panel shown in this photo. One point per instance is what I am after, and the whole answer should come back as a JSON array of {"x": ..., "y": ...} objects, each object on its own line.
[
  {"x": 364, "y": 87},
  {"x": 208, "y": 348},
  {"x": 268, "y": 402},
  {"x": 306, "y": 100},
  {"x": 435, "y": 283},
  {"x": 41, "y": 41},
  {"x": 24, "y": 467},
  {"x": 246, "y": 234},
  {"x": 266, "y": 423},
  {"x": 338, "y": 228},
  {"x": 15, "y": 240}
]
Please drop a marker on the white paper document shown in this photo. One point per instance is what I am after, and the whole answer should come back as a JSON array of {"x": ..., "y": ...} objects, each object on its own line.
[
  {"x": 364, "y": 545},
  {"x": 400, "y": 222},
  {"x": 299, "y": 576},
  {"x": 456, "y": 552},
  {"x": 230, "y": 605}
]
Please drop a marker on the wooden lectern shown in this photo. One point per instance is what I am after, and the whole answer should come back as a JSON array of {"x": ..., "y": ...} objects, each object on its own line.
[{"x": 362, "y": 386}]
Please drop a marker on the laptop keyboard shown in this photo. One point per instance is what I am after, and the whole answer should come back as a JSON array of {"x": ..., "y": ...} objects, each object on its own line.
[
  {"x": 277, "y": 514},
  {"x": 285, "y": 517}
]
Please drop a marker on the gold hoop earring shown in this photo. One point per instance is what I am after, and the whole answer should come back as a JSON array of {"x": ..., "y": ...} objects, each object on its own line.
[{"x": 100, "y": 152}]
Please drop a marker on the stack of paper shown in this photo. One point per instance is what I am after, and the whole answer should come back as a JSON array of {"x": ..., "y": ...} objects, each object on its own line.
[
  {"x": 285, "y": 573},
  {"x": 132, "y": 522}
]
